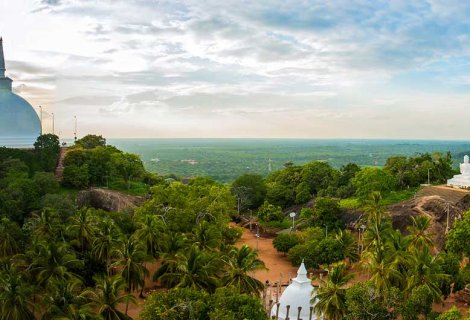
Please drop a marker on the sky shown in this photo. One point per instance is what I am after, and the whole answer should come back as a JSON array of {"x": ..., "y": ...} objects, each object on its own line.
[{"x": 243, "y": 69}]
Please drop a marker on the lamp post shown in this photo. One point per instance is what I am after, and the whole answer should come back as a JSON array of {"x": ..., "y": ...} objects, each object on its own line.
[
  {"x": 53, "y": 123},
  {"x": 292, "y": 215},
  {"x": 75, "y": 131},
  {"x": 257, "y": 236}
]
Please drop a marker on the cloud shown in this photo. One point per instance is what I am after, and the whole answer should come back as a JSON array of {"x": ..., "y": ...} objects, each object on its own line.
[{"x": 180, "y": 61}]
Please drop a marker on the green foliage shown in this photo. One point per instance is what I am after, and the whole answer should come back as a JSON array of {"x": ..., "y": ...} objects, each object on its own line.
[
  {"x": 269, "y": 212},
  {"x": 363, "y": 302},
  {"x": 457, "y": 238},
  {"x": 451, "y": 314},
  {"x": 127, "y": 165},
  {"x": 47, "y": 148},
  {"x": 250, "y": 189},
  {"x": 283, "y": 242},
  {"x": 177, "y": 304},
  {"x": 46, "y": 182},
  {"x": 229, "y": 304},
  {"x": 370, "y": 180},
  {"x": 183, "y": 304},
  {"x": 76, "y": 176},
  {"x": 330, "y": 297},
  {"x": 327, "y": 213},
  {"x": 419, "y": 303},
  {"x": 91, "y": 141}
]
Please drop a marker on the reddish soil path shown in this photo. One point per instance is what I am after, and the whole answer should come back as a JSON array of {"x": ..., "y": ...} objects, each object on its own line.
[{"x": 278, "y": 265}]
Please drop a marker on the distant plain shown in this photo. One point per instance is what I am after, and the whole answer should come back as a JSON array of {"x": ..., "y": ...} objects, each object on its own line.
[{"x": 226, "y": 159}]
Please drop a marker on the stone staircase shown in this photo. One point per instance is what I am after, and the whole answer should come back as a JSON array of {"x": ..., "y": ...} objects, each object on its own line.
[{"x": 59, "y": 169}]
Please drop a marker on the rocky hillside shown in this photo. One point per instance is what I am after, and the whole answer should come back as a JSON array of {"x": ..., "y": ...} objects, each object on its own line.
[
  {"x": 108, "y": 200},
  {"x": 441, "y": 204}
]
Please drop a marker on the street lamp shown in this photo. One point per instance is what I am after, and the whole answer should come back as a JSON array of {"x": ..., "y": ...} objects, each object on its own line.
[
  {"x": 292, "y": 215},
  {"x": 257, "y": 236},
  {"x": 53, "y": 123}
]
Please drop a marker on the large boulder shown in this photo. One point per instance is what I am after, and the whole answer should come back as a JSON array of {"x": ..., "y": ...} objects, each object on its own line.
[{"x": 108, "y": 200}]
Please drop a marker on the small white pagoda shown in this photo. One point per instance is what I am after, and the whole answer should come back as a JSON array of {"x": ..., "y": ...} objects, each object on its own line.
[
  {"x": 297, "y": 294},
  {"x": 461, "y": 180}
]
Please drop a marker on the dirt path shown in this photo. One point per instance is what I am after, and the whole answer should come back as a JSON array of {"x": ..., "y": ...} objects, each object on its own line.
[{"x": 278, "y": 265}]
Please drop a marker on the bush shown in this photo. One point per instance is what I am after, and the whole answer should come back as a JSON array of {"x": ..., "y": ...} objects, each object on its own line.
[
  {"x": 451, "y": 314},
  {"x": 327, "y": 212},
  {"x": 269, "y": 212},
  {"x": 75, "y": 176},
  {"x": 285, "y": 241},
  {"x": 46, "y": 182}
]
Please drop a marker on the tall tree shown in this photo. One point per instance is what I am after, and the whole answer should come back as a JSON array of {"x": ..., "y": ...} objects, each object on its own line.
[
  {"x": 330, "y": 297},
  {"x": 107, "y": 296},
  {"x": 16, "y": 297},
  {"x": 239, "y": 263}
]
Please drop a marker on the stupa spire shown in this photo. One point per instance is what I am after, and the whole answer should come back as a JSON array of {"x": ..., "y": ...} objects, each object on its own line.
[{"x": 2, "y": 60}]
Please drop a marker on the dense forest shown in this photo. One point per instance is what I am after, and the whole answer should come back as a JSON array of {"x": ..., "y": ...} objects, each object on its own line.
[{"x": 58, "y": 261}]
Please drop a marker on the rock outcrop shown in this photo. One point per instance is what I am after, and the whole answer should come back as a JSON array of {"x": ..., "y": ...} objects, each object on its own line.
[
  {"x": 442, "y": 205},
  {"x": 108, "y": 200}
]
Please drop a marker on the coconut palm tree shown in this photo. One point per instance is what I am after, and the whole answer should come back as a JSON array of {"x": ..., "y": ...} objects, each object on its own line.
[
  {"x": 194, "y": 269},
  {"x": 330, "y": 297},
  {"x": 419, "y": 235},
  {"x": 8, "y": 238},
  {"x": 63, "y": 301},
  {"x": 383, "y": 274},
  {"x": 425, "y": 270},
  {"x": 15, "y": 296},
  {"x": 52, "y": 261},
  {"x": 239, "y": 263},
  {"x": 82, "y": 227},
  {"x": 105, "y": 240},
  {"x": 130, "y": 256},
  {"x": 348, "y": 243},
  {"x": 207, "y": 236},
  {"x": 171, "y": 244},
  {"x": 107, "y": 295},
  {"x": 45, "y": 225},
  {"x": 149, "y": 232}
]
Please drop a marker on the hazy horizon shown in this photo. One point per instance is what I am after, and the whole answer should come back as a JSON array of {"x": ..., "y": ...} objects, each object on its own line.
[{"x": 261, "y": 69}]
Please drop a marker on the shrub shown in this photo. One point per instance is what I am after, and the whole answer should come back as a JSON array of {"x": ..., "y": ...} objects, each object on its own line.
[{"x": 285, "y": 241}]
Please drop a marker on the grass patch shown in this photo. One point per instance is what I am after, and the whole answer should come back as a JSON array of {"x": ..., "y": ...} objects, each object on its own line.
[
  {"x": 349, "y": 203},
  {"x": 399, "y": 196},
  {"x": 136, "y": 188},
  {"x": 276, "y": 224}
]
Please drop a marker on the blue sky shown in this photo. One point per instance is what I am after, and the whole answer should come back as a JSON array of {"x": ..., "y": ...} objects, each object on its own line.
[{"x": 306, "y": 69}]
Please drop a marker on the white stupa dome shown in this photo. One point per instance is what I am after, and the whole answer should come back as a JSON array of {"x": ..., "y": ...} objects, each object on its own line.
[
  {"x": 297, "y": 294},
  {"x": 19, "y": 123}
]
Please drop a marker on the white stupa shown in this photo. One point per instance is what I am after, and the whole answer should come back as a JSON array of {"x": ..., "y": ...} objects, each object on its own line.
[
  {"x": 461, "y": 180},
  {"x": 297, "y": 294}
]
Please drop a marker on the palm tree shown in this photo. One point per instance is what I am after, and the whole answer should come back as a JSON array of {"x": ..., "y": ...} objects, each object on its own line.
[
  {"x": 8, "y": 244},
  {"x": 81, "y": 225},
  {"x": 149, "y": 233},
  {"x": 45, "y": 225},
  {"x": 330, "y": 297},
  {"x": 15, "y": 296},
  {"x": 400, "y": 256},
  {"x": 63, "y": 301},
  {"x": 130, "y": 257},
  {"x": 419, "y": 235},
  {"x": 425, "y": 270},
  {"x": 105, "y": 240},
  {"x": 207, "y": 236},
  {"x": 239, "y": 263},
  {"x": 382, "y": 272},
  {"x": 107, "y": 296},
  {"x": 348, "y": 243},
  {"x": 171, "y": 244},
  {"x": 194, "y": 269},
  {"x": 52, "y": 261}
]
